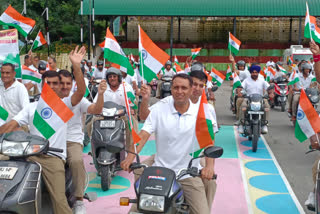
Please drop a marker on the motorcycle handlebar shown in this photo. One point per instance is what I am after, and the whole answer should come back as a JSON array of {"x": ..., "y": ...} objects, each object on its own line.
[
  {"x": 51, "y": 149},
  {"x": 213, "y": 177},
  {"x": 134, "y": 166}
]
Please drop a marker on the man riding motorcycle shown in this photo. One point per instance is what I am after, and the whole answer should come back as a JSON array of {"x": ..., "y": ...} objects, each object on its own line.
[
  {"x": 306, "y": 80},
  {"x": 254, "y": 85},
  {"x": 168, "y": 71},
  {"x": 100, "y": 72}
]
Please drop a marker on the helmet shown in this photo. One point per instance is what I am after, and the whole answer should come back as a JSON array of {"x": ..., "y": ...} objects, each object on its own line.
[
  {"x": 42, "y": 65},
  {"x": 168, "y": 63},
  {"x": 306, "y": 66},
  {"x": 89, "y": 61},
  {"x": 241, "y": 63},
  {"x": 100, "y": 62},
  {"x": 197, "y": 66},
  {"x": 115, "y": 71}
]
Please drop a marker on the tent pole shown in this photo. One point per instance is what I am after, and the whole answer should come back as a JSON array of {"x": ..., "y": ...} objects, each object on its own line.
[
  {"x": 300, "y": 20},
  {"x": 234, "y": 25},
  {"x": 89, "y": 36},
  {"x": 290, "y": 31},
  {"x": 179, "y": 29},
  {"x": 171, "y": 38}
]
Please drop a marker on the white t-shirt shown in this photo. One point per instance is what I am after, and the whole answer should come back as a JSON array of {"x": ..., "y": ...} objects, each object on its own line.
[
  {"x": 115, "y": 96},
  {"x": 175, "y": 135},
  {"x": 279, "y": 74},
  {"x": 14, "y": 98},
  {"x": 74, "y": 131},
  {"x": 254, "y": 86},
  {"x": 138, "y": 76},
  {"x": 74, "y": 85},
  {"x": 304, "y": 82},
  {"x": 130, "y": 79},
  {"x": 270, "y": 63},
  {"x": 33, "y": 68},
  {"x": 58, "y": 140},
  {"x": 170, "y": 73},
  {"x": 99, "y": 74}
]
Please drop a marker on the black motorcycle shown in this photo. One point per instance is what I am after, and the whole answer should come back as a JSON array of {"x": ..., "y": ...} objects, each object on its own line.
[
  {"x": 108, "y": 136},
  {"x": 166, "y": 86},
  {"x": 22, "y": 187},
  {"x": 281, "y": 92},
  {"x": 158, "y": 190},
  {"x": 253, "y": 120},
  {"x": 313, "y": 95}
]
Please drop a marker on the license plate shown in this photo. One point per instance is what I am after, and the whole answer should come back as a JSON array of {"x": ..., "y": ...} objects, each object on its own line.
[
  {"x": 255, "y": 112},
  {"x": 107, "y": 123},
  {"x": 8, "y": 172}
]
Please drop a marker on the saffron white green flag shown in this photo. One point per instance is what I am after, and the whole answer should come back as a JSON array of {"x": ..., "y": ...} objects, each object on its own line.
[
  {"x": 114, "y": 53},
  {"x": 229, "y": 73},
  {"x": 152, "y": 58},
  {"x": 293, "y": 78},
  {"x": 234, "y": 44},
  {"x": 282, "y": 69},
  {"x": 14, "y": 19},
  {"x": 39, "y": 41},
  {"x": 308, "y": 120},
  {"x": 51, "y": 113},
  {"x": 29, "y": 74},
  {"x": 195, "y": 52},
  {"x": 311, "y": 29},
  {"x": 236, "y": 82},
  {"x": 3, "y": 115},
  {"x": 217, "y": 76}
]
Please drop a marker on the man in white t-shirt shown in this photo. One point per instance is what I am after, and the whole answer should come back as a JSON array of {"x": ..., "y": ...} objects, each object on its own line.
[
  {"x": 306, "y": 80},
  {"x": 254, "y": 85},
  {"x": 174, "y": 147},
  {"x": 53, "y": 64},
  {"x": 100, "y": 72},
  {"x": 13, "y": 94},
  {"x": 75, "y": 136},
  {"x": 271, "y": 63},
  {"x": 168, "y": 71},
  {"x": 53, "y": 171}
]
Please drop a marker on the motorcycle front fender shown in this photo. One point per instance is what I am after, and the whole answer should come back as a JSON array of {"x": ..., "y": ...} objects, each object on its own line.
[{"x": 105, "y": 158}]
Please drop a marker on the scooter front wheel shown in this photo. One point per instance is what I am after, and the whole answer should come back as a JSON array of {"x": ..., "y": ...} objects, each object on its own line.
[
  {"x": 283, "y": 106},
  {"x": 105, "y": 177}
]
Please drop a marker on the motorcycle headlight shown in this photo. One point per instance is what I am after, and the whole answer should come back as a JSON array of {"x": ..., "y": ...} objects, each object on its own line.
[
  {"x": 151, "y": 203},
  {"x": 255, "y": 106},
  {"x": 283, "y": 91},
  {"x": 314, "y": 99},
  {"x": 11, "y": 148}
]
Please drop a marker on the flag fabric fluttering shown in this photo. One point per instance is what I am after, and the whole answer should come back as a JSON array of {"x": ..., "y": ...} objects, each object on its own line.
[
  {"x": 236, "y": 82},
  {"x": 51, "y": 113},
  {"x": 308, "y": 120},
  {"x": 282, "y": 69},
  {"x": 229, "y": 73},
  {"x": 135, "y": 136},
  {"x": 176, "y": 66},
  {"x": 234, "y": 44},
  {"x": 195, "y": 52},
  {"x": 114, "y": 53},
  {"x": 204, "y": 128},
  {"x": 3, "y": 115},
  {"x": 186, "y": 68},
  {"x": 293, "y": 78},
  {"x": 152, "y": 58},
  {"x": 29, "y": 74},
  {"x": 13, "y": 18},
  {"x": 311, "y": 30},
  {"x": 39, "y": 41},
  {"x": 217, "y": 76},
  {"x": 270, "y": 74}
]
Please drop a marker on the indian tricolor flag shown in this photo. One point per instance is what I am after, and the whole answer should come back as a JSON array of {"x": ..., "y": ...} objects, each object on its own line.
[
  {"x": 195, "y": 52},
  {"x": 114, "y": 53},
  {"x": 234, "y": 44},
  {"x": 39, "y": 41},
  {"x": 186, "y": 68},
  {"x": 229, "y": 73},
  {"x": 3, "y": 115},
  {"x": 282, "y": 69},
  {"x": 236, "y": 82},
  {"x": 152, "y": 58},
  {"x": 102, "y": 45},
  {"x": 176, "y": 66},
  {"x": 270, "y": 74},
  {"x": 135, "y": 136},
  {"x": 308, "y": 120},
  {"x": 204, "y": 127},
  {"x": 311, "y": 30},
  {"x": 29, "y": 74},
  {"x": 14, "y": 19},
  {"x": 293, "y": 78},
  {"x": 217, "y": 76},
  {"x": 51, "y": 113}
]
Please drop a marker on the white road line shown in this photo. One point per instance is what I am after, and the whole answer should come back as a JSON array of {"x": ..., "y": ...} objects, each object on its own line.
[
  {"x": 294, "y": 197},
  {"x": 244, "y": 177}
]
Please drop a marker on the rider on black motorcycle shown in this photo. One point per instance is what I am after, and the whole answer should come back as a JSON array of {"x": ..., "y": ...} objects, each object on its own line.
[
  {"x": 168, "y": 71},
  {"x": 254, "y": 85}
]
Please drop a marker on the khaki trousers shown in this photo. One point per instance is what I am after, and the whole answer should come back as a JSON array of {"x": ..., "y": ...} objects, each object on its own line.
[
  {"x": 295, "y": 103},
  {"x": 159, "y": 88},
  {"x": 314, "y": 170},
  {"x": 238, "y": 107},
  {"x": 76, "y": 165},
  {"x": 290, "y": 97},
  {"x": 199, "y": 193},
  {"x": 53, "y": 174}
]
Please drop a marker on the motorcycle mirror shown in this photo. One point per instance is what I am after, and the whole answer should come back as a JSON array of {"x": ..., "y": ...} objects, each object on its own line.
[
  {"x": 213, "y": 152},
  {"x": 214, "y": 88}
]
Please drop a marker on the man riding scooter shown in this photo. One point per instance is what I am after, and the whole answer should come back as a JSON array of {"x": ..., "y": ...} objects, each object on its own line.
[
  {"x": 168, "y": 72},
  {"x": 306, "y": 80},
  {"x": 254, "y": 85}
]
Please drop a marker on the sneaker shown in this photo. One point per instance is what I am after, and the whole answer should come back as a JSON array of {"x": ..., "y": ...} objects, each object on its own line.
[
  {"x": 237, "y": 123},
  {"x": 79, "y": 208},
  {"x": 264, "y": 129},
  {"x": 310, "y": 202},
  {"x": 240, "y": 130}
]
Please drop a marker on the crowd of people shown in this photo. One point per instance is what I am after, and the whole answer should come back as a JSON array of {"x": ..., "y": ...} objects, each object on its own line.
[{"x": 177, "y": 112}]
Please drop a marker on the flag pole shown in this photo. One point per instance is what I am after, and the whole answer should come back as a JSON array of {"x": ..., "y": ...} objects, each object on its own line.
[
  {"x": 81, "y": 22},
  {"x": 140, "y": 55},
  {"x": 93, "y": 34},
  {"x": 34, "y": 40},
  {"x": 309, "y": 21}
]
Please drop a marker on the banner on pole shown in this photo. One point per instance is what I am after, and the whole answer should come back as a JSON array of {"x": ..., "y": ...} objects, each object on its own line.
[{"x": 9, "y": 49}]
